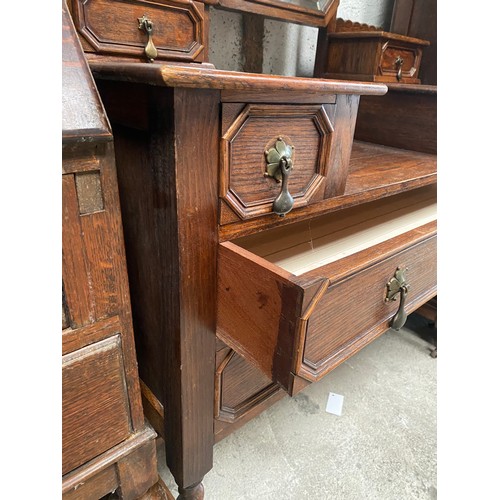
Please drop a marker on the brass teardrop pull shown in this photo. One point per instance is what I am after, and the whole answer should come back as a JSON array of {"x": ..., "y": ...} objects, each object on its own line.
[
  {"x": 279, "y": 167},
  {"x": 147, "y": 26},
  {"x": 399, "y": 67},
  {"x": 397, "y": 285}
]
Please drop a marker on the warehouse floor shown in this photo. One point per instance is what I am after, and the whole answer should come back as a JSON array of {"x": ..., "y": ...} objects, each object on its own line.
[{"x": 382, "y": 447}]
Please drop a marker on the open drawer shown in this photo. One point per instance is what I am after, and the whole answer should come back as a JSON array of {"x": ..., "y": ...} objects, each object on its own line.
[{"x": 298, "y": 300}]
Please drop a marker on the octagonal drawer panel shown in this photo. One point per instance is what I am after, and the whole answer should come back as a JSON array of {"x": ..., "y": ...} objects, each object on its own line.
[
  {"x": 400, "y": 62},
  {"x": 299, "y": 300},
  {"x": 169, "y": 29},
  {"x": 279, "y": 157}
]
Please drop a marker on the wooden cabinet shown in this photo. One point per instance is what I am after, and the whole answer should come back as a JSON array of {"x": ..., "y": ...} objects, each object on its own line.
[
  {"x": 355, "y": 51},
  {"x": 266, "y": 243},
  {"x": 106, "y": 443},
  {"x": 199, "y": 267}
]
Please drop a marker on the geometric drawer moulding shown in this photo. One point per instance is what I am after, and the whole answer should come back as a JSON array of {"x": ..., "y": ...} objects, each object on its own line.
[
  {"x": 111, "y": 27},
  {"x": 244, "y": 185}
]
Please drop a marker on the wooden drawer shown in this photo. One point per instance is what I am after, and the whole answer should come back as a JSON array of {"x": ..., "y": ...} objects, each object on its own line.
[
  {"x": 372, "y": 55},
  {"x": 111, "y": 27},
  {"x": 315, "y": 137},
  {"x": 399, "y": 62},
  {"x": 299, "y": 300},
  {"x": 95, "y": 408}
]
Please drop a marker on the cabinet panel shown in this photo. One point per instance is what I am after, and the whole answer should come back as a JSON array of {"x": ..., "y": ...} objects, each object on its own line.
[{"x": 94, "y": 402}]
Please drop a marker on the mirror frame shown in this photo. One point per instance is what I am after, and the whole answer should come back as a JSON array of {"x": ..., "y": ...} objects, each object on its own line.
[{"x": 281, "y": 11}]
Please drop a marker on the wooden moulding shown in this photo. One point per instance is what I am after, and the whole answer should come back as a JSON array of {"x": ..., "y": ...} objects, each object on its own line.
[
  {"x": 111, "y": 470},
  {"x": 203, "y": 77},
  {"x": 305, "y": 324}
]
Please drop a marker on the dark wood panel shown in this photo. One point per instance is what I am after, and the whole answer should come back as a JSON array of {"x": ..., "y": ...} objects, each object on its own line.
[
  {"x": 100, "y": 484},
  {"x": 85, "y": 474},
  {"x": 403, "y": 118},
  {"x": 137, "y": 471},
  {"x": 95, "y": 404},
  {"x": 252, "y": 43},
  {"x": 418, "y": 18},
  {"x": 278, "y": 96},
  {"x": 344, "y": 122},
  {"x": 74, "y": 339},
  {"x": 78, "y": 294},
  {"x": 240, "y": 382}
]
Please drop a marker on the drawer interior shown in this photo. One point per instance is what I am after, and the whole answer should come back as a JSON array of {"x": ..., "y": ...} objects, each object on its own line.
[{"x": 307, "y": 245}]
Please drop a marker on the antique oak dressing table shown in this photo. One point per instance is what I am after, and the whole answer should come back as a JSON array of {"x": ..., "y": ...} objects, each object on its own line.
[{"x": 253, "y": 224}]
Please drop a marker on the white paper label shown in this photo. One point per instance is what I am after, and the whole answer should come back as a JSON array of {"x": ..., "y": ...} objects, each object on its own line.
[{"x": 334, "y": 404}]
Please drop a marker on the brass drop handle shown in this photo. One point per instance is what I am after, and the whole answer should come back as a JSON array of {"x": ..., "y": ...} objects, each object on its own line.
[
  {"x": 397, "y": 286},
  {"x": 279, "y": 167},
  {"x": 399, "y": 66},
  {"x": 150, "y": 50}
]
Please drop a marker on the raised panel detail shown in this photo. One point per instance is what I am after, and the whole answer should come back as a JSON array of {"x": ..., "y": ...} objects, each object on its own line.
[
  {"x": 244, "y": 186},
  {"x": 111, "y": 27},
  {"x": 95, "y": 410},
  {"x": 340, "y": 319},
  {"x": 240, "y": 386},
  {"x": 410, "y": 60}
]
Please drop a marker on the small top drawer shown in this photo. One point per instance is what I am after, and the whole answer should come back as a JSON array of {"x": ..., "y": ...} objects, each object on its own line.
[
  {"x": 277, "y": 157},
  {"x": 400, "y": 63},
  {"x": 168, "y": 29},
  {"x": 370, "y": 54}
]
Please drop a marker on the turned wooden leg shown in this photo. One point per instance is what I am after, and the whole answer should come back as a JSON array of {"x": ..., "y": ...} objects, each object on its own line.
[{"x": 194, "y": 492}]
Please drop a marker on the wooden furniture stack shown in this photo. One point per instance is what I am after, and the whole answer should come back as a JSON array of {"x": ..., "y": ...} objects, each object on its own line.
[
  {"x": 106, "y": 444},
  {"x": 264, "y": 245}
]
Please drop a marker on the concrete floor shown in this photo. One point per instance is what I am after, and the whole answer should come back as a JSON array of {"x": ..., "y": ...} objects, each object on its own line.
[{"x": 383, "y": 447}]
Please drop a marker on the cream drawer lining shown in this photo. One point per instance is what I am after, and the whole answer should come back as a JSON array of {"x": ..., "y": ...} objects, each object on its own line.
[{"x": 318, "y": 242}]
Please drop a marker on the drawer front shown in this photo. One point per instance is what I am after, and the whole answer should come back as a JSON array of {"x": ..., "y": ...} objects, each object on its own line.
[
  {"x": 112, "y": 27},
  {"x": 400, "y": 60},
  {"x": 95, "y": 410},
  {"x": 354, "y": 311},
  {"x": 316, "y": 139}
]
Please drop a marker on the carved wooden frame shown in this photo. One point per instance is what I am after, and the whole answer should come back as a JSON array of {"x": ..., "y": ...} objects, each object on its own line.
[
  {"x": 316, "y": 183},
  {"x": 283, "y": 11}
]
